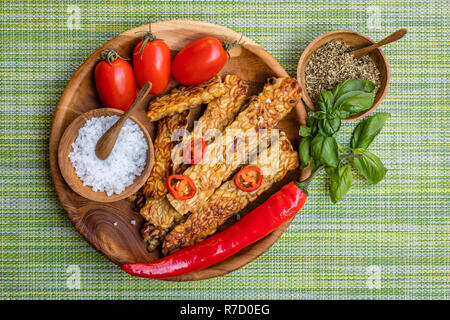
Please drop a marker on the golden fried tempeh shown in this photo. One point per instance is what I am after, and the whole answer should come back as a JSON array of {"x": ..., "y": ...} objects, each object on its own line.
[
  {"x": 221, "y": 111},
  {"x": 154, "y": 191},
  {"x": 156, "y": 183},
  {"x": 228, "y": 199},
  {"x": 152, "y": 235},
  {"x": 183, "y": 98},
  {"x": 276, "y": 100},
  {"x": 160, "y": 216},
  {"x": 155, "y": 209},
  {"x": 218, "y": 114}
]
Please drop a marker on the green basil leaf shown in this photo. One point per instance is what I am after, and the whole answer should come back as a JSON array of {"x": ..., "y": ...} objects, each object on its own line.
[
  {"x": 355, "y": 101},
  {"x": 313, "y": 124},
  {"x": 368, "y": 129},
  {"x": 304, "y": 131},
  {"x": 343, "y": 114},
  {"x": 321, "y": 115},
  {"x": 329, "y": 127},
  {"x": 317, "y": 114},
  {"x": 369, "y": 166},
  {"x": 353, "y": 85},
  {"x": 341, "y": 182},
  {"x": 314, "y": 165},
  {"x": 345, "y": 96},
  {"x": 304, "y": 151},
  {"x": 325, "y": 101},
  {"x": 321, "y": 129},
  {"x": 325, "y": 150}
]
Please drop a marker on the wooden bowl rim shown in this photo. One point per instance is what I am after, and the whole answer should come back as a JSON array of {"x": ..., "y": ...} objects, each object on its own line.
[
  {"x": 244, "y": 256},
  {"x": 308, "y": 51},
  {"x": 75, "y": 183}
]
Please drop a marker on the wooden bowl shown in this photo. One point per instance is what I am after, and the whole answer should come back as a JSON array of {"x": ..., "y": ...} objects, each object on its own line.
[
  {"x": 68, "y": 171},
  {"x": 356, "y": 40},
  {"x": 114, "y": 228}
]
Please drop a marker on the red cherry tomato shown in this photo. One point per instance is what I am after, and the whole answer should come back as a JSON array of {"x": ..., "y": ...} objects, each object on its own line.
[
  {"x": 199, "y": 61},
  {"x": 152, "y": 63},
  {"x": 115, "y": 81}
]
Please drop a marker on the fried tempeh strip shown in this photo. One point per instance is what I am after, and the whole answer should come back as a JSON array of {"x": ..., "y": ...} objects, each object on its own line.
[
  {"x": 276, "y": 100},
  {"x": 218, "y": 114},
  {"x": 155, "y": 188},
  {"x": 152, "y": 235},
  {"x": 221, "y": 111},
  {"x": 155, "y": 228},
  {"x": 162, "y": 216},
  {"x": 183, "y": 98},
  {"x": 156, "y": 184},
  {"x": 228, "y": 199}
]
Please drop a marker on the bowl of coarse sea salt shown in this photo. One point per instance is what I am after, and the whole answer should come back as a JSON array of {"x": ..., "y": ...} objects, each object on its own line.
[{"x": 122, "y": 174}]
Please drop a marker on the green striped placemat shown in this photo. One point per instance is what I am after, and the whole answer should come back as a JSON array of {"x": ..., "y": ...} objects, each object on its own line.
[{"x": 388, "y": 241}]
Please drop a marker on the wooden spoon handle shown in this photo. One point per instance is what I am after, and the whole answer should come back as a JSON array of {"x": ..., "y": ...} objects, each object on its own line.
[
  {"x": 391, "y": 38},
  {"x": 142, "y": 93},
  {"x": 107, "y": 141}
]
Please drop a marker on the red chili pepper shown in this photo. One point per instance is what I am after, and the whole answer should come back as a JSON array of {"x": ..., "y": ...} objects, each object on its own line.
[
  {"x": 248, "y": 179},
  {"x": 279, "y": 208},
  {"x": 194, "y": 152},
  {"x": 181, "y": 187}
]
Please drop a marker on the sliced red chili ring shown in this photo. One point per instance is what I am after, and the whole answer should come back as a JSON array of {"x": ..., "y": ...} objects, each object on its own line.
[
  {"x": 249, "y": 179},
  {"x": 181, "y": 187},
  {"x": 193, "y": 153}
]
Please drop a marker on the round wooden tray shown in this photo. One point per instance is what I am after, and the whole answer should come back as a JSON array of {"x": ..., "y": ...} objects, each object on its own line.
[{"x": 113, "y": 228}]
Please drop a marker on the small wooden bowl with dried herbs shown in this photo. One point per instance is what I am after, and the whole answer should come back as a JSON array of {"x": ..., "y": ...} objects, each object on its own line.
[{"x": 327, "y": 62}]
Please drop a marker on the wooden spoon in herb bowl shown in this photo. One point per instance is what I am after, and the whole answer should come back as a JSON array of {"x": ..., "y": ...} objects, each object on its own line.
[
  {"x": 324, "y": 69},
  {"x": 391, "y": 38}
]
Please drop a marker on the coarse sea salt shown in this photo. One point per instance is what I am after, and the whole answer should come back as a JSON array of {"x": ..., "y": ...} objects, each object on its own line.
[{"x": 126, "y": 161}]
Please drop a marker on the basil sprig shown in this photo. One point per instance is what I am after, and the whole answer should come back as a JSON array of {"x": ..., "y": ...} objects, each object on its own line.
[{"x": 319, "y": 144}]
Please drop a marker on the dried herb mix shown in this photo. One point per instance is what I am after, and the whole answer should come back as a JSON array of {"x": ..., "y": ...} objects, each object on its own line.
[{"x": 332, "y": 63}]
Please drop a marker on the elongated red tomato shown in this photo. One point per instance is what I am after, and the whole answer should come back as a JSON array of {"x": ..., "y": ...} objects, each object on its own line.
[
  {"x": 115, "y": 81},
  {"x": 151, "y": 62},
  {"x": 199, "y": 61}
]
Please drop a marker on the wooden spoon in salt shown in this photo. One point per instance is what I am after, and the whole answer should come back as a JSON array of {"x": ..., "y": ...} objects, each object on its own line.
[
  {"x": 391, "y": 38},
  {"x": 107, "y": 141}
]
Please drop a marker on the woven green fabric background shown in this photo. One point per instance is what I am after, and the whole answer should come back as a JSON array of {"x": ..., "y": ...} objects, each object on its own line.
[{"x": 398, "y": 229}]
